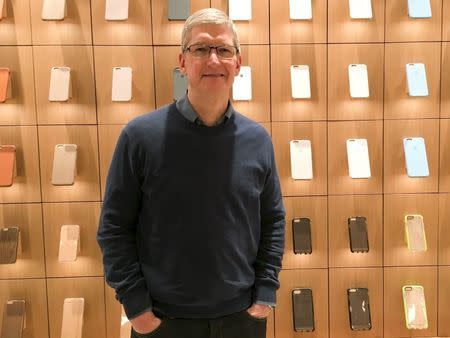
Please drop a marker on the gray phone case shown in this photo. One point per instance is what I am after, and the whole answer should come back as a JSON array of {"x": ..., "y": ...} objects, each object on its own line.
[
  {"x": 13, "y": 319},
  {"x": 9, "y": 241},
  {"x": 180, "y": 84},
  {"x": 178, "y": 9}
]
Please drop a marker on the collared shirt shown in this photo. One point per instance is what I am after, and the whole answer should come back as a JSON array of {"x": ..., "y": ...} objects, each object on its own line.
[{"x": 186, "y": 109}]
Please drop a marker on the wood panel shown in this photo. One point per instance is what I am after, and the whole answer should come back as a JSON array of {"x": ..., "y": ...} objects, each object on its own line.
[
  {"x": 400, "y": 27},
  {"x": 26, "y": 187},
  {"x": 395, "y": 178},
  {"x": 75, "y": 29},
  {"x": 80, "y": 108},
  {"x": 394, "y": 314},
  {"x": 339, "y": 180},
  {"x": 342, "y": 28},
  {"x": 254, "y": 31},
  {"x": 395, "y": 247},
  {"x": 282, "y": 134},
  {"x": 140, "y": 59},
  {"x": 285, "y": 30},
  {"x": 444, "y": 230},
  {"x": 20, "y": 108},
  {"x": 444, "y": 296},
  {"x": 444, "y": 156},
  {"x": 136, "y": 30},
  {"x": 86, "y": 216},
  {"x": 314, "y": 208},
  {"x": 341, "y": 208},
  {"x": 343, "y": 279},
  {"x": 317, "y": 281},
  {"x": 16, "y": 27},
  {"x": 397, "y": 103},
  {"x": 286, "y": 108},
  {"x": 341, "y": 106},
  {"x": 30, "y": 259},
  {"x": 92, "y": 290},
  {"x": 34, "y": 293},
  {"x": 86, "y": 186},
  {"x": 445, "y": 79}
]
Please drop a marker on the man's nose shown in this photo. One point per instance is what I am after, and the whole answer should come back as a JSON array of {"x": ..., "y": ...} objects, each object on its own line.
[{"x": 213, "y": 57}]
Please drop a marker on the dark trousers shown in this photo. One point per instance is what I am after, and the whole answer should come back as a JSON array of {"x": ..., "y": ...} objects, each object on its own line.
[{"x": 237, "y": 325}]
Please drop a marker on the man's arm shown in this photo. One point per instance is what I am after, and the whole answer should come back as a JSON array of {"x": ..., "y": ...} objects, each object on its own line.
[
  {"x": 271, "y": 244},
  {"x": 117, "y": 228}
]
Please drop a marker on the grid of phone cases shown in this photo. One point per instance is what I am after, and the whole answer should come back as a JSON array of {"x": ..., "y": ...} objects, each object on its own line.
[{"x": 355, "y": 95}]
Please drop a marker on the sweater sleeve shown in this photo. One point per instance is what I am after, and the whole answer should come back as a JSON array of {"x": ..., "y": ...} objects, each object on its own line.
[
  {"x": 271, "y": 245},
  {"x": 117, "y": 228}
]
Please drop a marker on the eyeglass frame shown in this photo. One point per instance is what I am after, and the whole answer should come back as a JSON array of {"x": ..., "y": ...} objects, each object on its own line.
[{"x": 187, "y": 49}]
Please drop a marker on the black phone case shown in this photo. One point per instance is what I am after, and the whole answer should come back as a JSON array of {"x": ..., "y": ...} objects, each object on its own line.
[
  {"x": 13, "y": 319},
  {"x": 9, "y": 240},
  {"x": 301, "y": 234},
  {"x": 303, "y": 310},
  {"x": 359, "y": 309},
  {"x": 357, "y": 229}
]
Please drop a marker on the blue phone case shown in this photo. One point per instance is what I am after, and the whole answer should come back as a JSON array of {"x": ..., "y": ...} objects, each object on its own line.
[
  {"x": 419, "y": 8},
  {"x": 180, "y": 84},
  {"x": 416, "y": 157},
  {"x": 178, "y": 9},
  {"x": 417, "y": 79}
]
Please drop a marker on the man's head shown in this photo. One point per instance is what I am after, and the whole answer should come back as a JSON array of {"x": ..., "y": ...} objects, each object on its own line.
[{"x": 210, "y": 71}]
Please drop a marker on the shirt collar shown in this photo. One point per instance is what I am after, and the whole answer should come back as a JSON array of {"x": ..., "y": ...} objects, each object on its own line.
[{"x": 185, "y": 108}]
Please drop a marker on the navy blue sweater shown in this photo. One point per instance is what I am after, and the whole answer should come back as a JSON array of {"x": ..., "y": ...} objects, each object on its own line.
[{"x": 192, "y": 220}]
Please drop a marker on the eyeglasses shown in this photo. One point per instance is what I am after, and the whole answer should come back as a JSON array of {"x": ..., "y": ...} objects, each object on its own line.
[{"x": 223, "y": 52}]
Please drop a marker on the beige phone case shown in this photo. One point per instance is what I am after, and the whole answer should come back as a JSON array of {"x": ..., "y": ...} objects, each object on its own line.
[
  {"x": 69, "y": 243},
  {"x": 60, "y": 89},
  {"x": 54, "y": 10},
  {"x": 64, "y": 164},
  {"x": 72, "y": 321},
  {"x": 415, "y": 233}
]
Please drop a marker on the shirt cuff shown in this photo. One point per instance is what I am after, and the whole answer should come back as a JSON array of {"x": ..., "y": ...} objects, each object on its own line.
[{"x": 272, "y": 305}]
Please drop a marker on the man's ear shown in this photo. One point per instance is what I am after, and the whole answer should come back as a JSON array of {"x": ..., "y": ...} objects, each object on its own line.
[
  {"x": 238, "y": 64},
  {"x": 181, "y": 63}
]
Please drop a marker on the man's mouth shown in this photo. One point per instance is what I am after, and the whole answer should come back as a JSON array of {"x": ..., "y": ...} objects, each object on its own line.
[{"x": 213, "y": 75}]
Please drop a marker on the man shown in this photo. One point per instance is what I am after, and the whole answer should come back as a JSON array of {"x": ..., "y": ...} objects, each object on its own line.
[{"x": 192, "y": 225}]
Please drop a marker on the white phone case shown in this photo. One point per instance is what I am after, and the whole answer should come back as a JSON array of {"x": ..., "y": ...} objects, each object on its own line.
[
  {"x": 72, "y": 320},
  {"x": 64, "y": 164},
  {"x": 122, "y": 80},
  {"x": 300, "y": 82},
  {"x": 358, "y": 158},
  {"x": 360, "y": 9},
  {"x": 69, "y": 243},
  {"x": 54, "y": 10},
  {"x": 416, "y": 157},
  {"x": 116, "y": 10},
  {"x": 301, "y": 160},
  {"x": 419, "y": 9},
  {"x": 358, "y": 81},
  {"x": 60, "y": 84},
  {"x": 416, "y": 77},
  {"x": 242, "y": 85},
  {"x": 300, "y": 9},
  {"x": 240, "y": 9}
]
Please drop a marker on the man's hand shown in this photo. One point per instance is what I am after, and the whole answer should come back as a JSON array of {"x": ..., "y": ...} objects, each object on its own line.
[
  {"x": 145, "y": 323},
  {"x": 259, "y": 310}
]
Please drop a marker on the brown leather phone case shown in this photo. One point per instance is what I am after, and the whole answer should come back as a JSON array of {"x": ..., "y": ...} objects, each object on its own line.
[{"x": 7, "y": 161}]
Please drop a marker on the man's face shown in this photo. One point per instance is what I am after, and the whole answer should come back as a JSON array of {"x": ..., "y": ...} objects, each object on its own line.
[{"x": 210, "y": 74}]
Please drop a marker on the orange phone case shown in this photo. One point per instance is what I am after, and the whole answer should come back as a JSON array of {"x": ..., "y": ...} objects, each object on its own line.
[
  {"x": 7, "y": 162},
  {"x": 4, "y": 83}
]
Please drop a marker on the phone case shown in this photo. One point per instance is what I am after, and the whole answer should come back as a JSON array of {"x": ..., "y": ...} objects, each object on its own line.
[
  {"x": 301, "y": 234},
  {"x": 9, "y": 245},
  {"x": 60, "y": 86},
  {"x": 300, "y": 82},
  {"x": 358, "y": 235},
  {"x": 54, "y": 10},
  {"x": 415, "y": 307},
  {"x": 358, "y": 81},
  {"x": 416, "y": 157},
  {"x": 417, "y": 79},
  {"x": 72, "y": 321},
  {"x": 116, "y": 10},
  {"x": 415, "y": 233},
  {"x": 360, "y": 9},
  {"x": 180, "y": 84},
  {"x": 300, "y": 9},
  {"x": 359, "y": 309},
  {"x": 7, "y": 165},
  {"x": 301, "y": 160},
  {"x": 13, "y": 321},
  {"x": 303, "y": 310},
  {"x": 240, "y": 9},
  {"x": 178, "y": 9},
  {"x": 122, "y": 80},
  {"x": 242, "y": 85},
  {"x": 358, "y": 158},
  {"x": 419, "y": 8},
  {"x": 5, "y": 84},
  {"x": 69, "y": 243},
  {"x": 64, "y": 164}
]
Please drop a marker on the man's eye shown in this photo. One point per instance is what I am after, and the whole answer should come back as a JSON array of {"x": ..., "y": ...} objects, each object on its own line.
[{"x": 201, "y": 49}]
